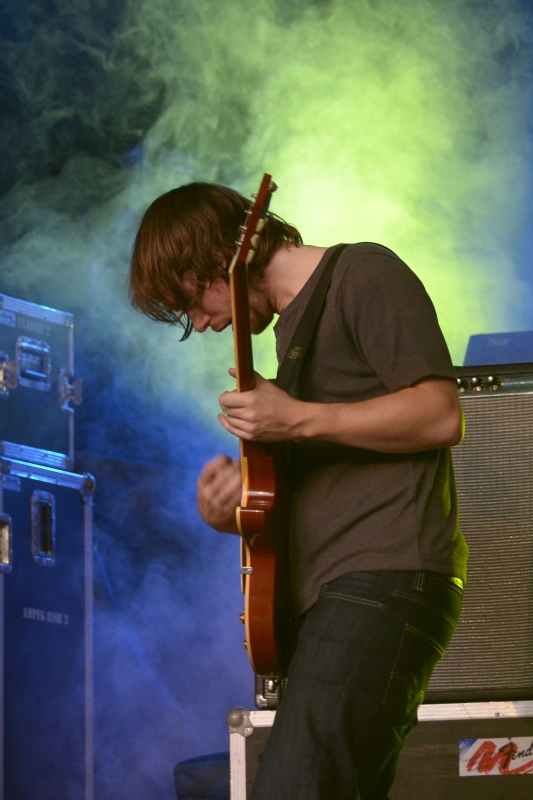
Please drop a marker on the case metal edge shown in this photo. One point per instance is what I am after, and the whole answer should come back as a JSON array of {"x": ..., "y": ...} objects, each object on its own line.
[
  {"x": 237, "y": 771},
  {"x": 427, "y": 712},
  {"x": 1, "y": 660},
  {"x": 440, "y": 712},
  {"x": 87, "y": 498},
  {"x": 39, "y": 472},
  {"x": 34, "y": 455},
  {"x": 37, "y": 311},
  {"x": 262, "y": 719}
]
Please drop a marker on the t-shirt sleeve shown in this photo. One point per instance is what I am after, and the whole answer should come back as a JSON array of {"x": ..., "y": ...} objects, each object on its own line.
[{"x": 390, "y": 318}]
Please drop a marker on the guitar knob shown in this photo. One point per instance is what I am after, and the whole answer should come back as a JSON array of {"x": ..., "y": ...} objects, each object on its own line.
[
  {"x": 261, "y": 222},
  {"x": 255, "y": 241},
  {"x": 242, "y": 618},
  {"x": 250, "y": 256}
]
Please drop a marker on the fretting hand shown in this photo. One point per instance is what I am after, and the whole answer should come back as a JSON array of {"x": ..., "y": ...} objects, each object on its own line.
[{"x": 264, "y": 414}]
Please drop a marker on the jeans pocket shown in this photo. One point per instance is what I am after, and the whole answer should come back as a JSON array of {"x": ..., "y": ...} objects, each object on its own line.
[{"x": 417, "y": 657}]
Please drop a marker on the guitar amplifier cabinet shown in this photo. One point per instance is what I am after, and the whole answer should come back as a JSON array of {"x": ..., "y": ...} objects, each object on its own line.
[
  {"x": 491, "y": 654},
  {"x": 37, "y": 385},
  {"x": 46, "y": 594},
  {"x": 468, "y": 751}
]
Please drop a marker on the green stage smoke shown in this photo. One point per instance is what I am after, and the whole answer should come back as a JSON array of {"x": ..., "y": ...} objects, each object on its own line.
[
  {"x": 398, "y": 123},
  {"x": 404, "y": 124}
]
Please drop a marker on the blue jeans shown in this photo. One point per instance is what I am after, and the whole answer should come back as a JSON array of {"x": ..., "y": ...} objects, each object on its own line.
[{"x": 364, "y": 658}]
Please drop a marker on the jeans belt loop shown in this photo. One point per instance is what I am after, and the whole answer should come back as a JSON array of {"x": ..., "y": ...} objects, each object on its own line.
[{"x": 420, "y": 581}]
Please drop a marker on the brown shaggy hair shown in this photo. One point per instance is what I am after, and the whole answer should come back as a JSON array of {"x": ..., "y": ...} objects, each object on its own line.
[{"x": 187, "y": 239}]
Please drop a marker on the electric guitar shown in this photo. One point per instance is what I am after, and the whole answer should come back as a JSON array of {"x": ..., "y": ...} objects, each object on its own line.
[{"x": 264, "y": 512}]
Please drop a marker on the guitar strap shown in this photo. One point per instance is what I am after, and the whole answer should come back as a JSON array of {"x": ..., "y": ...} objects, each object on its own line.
[{"x": 290, "y": 367}]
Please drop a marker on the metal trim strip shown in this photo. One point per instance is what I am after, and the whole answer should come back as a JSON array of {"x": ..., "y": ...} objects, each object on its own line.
[
  {"x": 1, "y": 661},
  {"x": 262, "y": 719},
  {"x": 34, "y": 455},
  {"x": 440, "y": 712},
  {"x": 429, "y": 712},
  {"x": 70, "y": 365},
  {"x": 89, "y": 646},
  {"x": 1, "y": 678},
  {"x": 37, "y": 311},
  {"x": 495, "y": 369},
  {"x": 38, "y": 472},
  {"x": 500, "y": 393},
  {"x": 237, "y": 761}
]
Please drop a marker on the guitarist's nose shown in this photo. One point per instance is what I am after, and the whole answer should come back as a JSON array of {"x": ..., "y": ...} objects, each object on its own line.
[{"x": 200, "y": 322}]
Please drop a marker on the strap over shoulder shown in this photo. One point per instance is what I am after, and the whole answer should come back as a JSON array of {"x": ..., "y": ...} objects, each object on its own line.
[{"x": 291, "y": 365}]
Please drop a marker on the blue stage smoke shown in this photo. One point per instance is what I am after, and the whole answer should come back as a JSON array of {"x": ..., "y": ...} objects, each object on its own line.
[{"x": 108, "y": 104}]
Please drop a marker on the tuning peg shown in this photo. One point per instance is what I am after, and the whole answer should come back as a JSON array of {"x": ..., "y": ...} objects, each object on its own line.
[
  {"x": 272, "y": 186},
  {"x": 255, "y": 241},
  {"x": 250, "y": 256},
  {"x": 261, "y": 222}
]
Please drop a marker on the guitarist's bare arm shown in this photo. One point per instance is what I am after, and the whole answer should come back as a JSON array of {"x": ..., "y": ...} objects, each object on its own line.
[
  {"x": 421, "y": 417},
  {"x": 219, "y": 493}
]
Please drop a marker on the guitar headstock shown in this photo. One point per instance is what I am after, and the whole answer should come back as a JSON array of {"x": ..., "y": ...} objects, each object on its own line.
[{"x": 250, "y": 230}]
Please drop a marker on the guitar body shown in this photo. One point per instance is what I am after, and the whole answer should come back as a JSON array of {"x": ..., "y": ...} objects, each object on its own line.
[
  {"x": 264, "y": 514},
  {"x": 263, "y": 520}
]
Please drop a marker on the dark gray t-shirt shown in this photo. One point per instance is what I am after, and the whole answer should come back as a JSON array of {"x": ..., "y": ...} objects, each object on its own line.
[{"x": 356, "y": 509}]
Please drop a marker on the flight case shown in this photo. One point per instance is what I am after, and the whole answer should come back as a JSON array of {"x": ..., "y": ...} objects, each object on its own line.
[
  {"x": 37, "y": 385},
  {"x": 465, "y": 751},
  {"x": 46, "y": 590}
]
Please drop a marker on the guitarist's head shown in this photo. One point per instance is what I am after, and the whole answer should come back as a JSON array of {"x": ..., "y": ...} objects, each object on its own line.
[{"x": 185, "y": 244}]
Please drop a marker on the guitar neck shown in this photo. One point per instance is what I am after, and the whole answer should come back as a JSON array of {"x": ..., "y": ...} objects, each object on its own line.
[
  {"x": 242, "y": 335},
  {"x": 238, "y": 271}
]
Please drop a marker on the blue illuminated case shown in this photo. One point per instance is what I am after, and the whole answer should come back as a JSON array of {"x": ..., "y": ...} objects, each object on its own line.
[
  {"x": 46, "y": 594},
  {"x": 38, "y": 390}
]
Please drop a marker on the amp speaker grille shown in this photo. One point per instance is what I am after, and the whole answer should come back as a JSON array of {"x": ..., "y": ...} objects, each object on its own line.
[{"x": 491, "y": 655}]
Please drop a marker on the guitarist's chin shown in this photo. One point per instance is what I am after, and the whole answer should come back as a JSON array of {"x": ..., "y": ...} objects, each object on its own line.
[{"x": 260, "y": 318}]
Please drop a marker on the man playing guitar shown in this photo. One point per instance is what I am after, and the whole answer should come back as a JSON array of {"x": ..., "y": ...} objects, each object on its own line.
[{"x": 377, "y": 560}]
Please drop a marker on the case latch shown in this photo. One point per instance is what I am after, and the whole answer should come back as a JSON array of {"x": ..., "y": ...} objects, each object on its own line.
[
  {"x": 69, "y": 390},
  {"x": 34, "y": 366},
  {"x": 8, "y": 375},
  {"x": 43, "y": 528},
  {"x": 6, "y": 543}
]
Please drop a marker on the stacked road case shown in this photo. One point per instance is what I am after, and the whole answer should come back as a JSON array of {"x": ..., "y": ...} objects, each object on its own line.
[
  {"x": 37, "y": 384},
  {"x": 453, "y": 744},
  {"x": 46, "y": 548}
]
